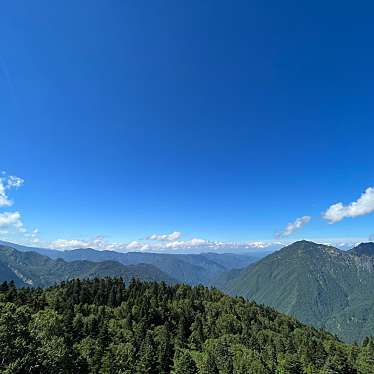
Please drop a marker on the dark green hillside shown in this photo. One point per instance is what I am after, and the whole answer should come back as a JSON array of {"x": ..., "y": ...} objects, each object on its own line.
[
  {"x": 320, "y": 285},
  {"x": 100, "y": 326},
  {"x": 40, "y": 271}
]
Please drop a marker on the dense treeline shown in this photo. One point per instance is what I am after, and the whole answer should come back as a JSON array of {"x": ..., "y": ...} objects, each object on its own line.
[{"x": 101, "y": 326}]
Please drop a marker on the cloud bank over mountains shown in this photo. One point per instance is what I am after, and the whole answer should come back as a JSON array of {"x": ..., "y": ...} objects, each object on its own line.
[{"x": 149, "y": 244}]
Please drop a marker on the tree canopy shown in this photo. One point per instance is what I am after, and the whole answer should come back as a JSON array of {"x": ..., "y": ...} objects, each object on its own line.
[{"x": 102, "y": 326}]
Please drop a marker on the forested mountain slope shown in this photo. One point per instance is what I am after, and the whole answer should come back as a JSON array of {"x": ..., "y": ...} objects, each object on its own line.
[
  {"x": 319, "y": 284},
  {"x": 101, "y": 326},
  {"x": 33, "y": 269}
]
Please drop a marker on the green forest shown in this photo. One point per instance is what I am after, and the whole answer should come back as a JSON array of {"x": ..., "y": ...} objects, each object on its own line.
[{"x": 106, "y": 327}]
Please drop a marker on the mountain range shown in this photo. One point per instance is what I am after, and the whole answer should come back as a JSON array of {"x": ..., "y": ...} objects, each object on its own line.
[
  {"x": 34, "y": 269},
  {"x": 318, "y": 284},
  {"x": 185, "y": 268}
]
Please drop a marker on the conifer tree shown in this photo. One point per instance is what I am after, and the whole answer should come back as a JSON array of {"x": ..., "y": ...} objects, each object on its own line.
[
  {"x": 184, "y": 363},
  {"x": 365, "y": 359}
]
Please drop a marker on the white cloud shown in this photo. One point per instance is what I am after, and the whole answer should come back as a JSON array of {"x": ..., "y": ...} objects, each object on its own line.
[
  {"x": 166, "y": 237},
  {"x": 69, "y": 243},
  {"x": 6, "y": 184},
  {"x": 195, "y": 242},
  {"x": 14, "y": 182},
  {"x": 261, "y": 245},
  {"x": 9, "y": 219},
  {"x": 4, "y": 200},
  {"x": 98, "y": 242},
  {"x": 134, "y": 245},
  {"x": 363, "y": 205},
  {"x": 293, "y": 226}
]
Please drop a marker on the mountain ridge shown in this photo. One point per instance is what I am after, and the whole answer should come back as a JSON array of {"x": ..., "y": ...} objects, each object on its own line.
[
  {"x": 363, "y": 249},
  {"x": 318, "y": 284},
  {"x": 185, "y": 268},
  {"x": 34, "y": 269}
]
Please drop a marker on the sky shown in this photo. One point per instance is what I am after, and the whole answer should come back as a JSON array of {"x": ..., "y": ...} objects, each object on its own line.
[{"x": 138, "y": 125}]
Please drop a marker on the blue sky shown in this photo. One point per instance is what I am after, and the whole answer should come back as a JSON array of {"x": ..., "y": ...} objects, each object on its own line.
[{"x": 222, "y": 121}]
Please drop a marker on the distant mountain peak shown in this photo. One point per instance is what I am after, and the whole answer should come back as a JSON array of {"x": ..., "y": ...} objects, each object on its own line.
[
  {"x": 363, "y": 249},
  {"x": 304, "y": 243},
  {"x": 319, "y": 284},
  {"x": 309, "y": 247}
]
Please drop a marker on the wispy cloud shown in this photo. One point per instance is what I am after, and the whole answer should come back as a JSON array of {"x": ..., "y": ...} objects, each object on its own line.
[
  {"x": 293, "y": 226},
  {"x": 363, "y": 205}
]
